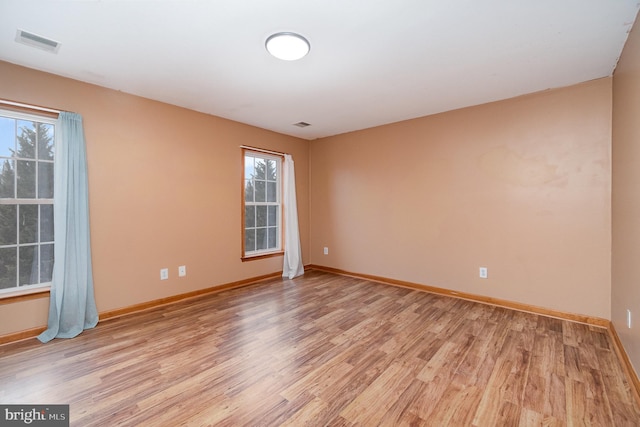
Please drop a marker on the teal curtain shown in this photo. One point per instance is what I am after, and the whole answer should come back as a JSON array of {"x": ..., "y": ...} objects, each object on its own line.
[{"x": 72, "y": 306}]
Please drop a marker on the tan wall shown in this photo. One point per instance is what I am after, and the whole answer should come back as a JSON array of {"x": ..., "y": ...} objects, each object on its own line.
[
  {"x": 520, "y": 186},
  {"x": 625, "y": 282},
  {"x": 164, "y": 188}
]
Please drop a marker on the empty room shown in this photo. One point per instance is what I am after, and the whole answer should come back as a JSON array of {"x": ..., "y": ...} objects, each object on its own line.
[{"x": 351, "y": 213}]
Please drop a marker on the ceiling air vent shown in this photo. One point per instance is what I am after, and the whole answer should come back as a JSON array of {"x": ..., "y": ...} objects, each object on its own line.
[
  {"x": 37, "y": 41},
  {"x": 302, "y": 124}
]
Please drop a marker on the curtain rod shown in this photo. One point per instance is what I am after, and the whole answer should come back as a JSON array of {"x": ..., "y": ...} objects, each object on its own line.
[
  {"x": 277, "y": 153},
  {"x": 28, "y": 106}
]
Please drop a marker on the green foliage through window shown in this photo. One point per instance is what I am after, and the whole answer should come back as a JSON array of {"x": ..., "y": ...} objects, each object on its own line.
[
  {"x": 262, "y": 209},
  {"x": 26, "y": 200}
]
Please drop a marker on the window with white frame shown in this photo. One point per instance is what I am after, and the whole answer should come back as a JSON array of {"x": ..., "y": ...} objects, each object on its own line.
[
  {"x": 26, "y": 200},
  {"x": 262, "y": 208}
]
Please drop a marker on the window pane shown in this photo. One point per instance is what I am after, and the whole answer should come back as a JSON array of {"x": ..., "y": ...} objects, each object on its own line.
[
  {"x": 26, "y": 179},
  {"x": 273, "y": 216},
  {"x": 260, "y": 169},
  {"x": 249, "y": 216},
  {"x": 261, "y": 216},
  {"x": 248, "y": 191},
  {"x": 45, "y": 141},
  {"x": 28, "y": 175},
  {"x": 46, "y": 223},
  {"x": 8, "y": 232},
  {"x": 7, "y": 136},
  {"x": 46, "y": 263},
  {"x": 45, "y": 180},
  {"x": 250, "y": 239},
  {"x": 273, "y": 237},
  {"x": 7, "y": 179},
  {"x": 261, "y": 238},
  {"x": 271, "y": 170},
  {"x": 261, "y": 203},
  {"x": 8, "y": 267},
  {"x": 26, "y": 139},
  {"x": 261, "y": 190},
  {"x": 249, "y": 169},
  {"x": 28, "y": 223},
  {"x": 272, "y": 195},
  {"x": 28, "y": 265}
]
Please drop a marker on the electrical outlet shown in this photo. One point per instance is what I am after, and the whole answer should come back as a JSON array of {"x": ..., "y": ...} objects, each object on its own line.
[
  {"x": 164, "y": 274},
  {"x": 182, "y": 270},
  {"x": 326, "y": 250},
  {"x": 484, "y": 273},
  {"x": 628, "y": 318}
]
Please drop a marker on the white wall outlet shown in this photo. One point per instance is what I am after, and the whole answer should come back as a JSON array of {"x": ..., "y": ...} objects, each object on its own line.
[
  {"x": 326, "y": 250},
  {"x": 628, "y": 318},
  {"x": 164, "y": 274},
  {"x": 182, "y": 270},
  {"x": 484, "y": 273}
]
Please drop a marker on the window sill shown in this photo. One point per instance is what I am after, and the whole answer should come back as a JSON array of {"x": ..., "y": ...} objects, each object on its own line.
[
  {"x": 262, "y": 256},
  {"x": 24, "y": 295}
]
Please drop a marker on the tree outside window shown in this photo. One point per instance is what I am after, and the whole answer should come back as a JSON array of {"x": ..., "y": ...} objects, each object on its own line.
[
  {"x": 262, "y": 207},
  {"x": 26, "y": 200}
]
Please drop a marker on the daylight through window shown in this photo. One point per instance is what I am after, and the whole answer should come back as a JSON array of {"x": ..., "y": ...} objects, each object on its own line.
[
  {"x": 262, "y": 207},
  {"x": 26, "y": 200}
]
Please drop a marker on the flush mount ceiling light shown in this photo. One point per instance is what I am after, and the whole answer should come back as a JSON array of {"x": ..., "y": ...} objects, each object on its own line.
[{"x": 287, "y": 46}]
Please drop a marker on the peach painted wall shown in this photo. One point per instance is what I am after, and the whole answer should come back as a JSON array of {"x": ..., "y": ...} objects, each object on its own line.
[
  {"x": 625, "y": 282},
  {"x": 164, "y": 189},
  {"x": 520, "y": 186}
]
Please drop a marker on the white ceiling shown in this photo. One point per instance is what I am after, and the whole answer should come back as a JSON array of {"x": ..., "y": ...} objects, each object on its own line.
[{"x": 371, "y": 62}]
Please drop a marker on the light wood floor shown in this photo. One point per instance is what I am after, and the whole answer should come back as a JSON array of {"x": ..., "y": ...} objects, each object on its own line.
[{"x": 326, "y": 350}]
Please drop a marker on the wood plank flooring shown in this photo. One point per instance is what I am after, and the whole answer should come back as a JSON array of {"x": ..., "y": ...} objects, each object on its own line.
[{"x": 326, "y": 350}]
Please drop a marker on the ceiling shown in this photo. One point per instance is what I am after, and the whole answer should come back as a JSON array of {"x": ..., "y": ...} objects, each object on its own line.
[{"x": 372, "y": 62}]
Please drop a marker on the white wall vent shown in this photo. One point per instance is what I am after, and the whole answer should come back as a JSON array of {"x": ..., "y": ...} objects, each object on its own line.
[{"x": 37, "y": 41}]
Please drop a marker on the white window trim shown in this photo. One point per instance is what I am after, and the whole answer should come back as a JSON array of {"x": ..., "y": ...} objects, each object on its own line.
[
  {"x": 38, "y": 287},
  {"x": 259, "y": 253}
]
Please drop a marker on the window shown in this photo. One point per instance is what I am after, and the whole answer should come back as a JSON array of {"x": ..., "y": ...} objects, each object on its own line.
[
  {"x": 262, "y": 209},
  {"x": 26, "y": 200}
]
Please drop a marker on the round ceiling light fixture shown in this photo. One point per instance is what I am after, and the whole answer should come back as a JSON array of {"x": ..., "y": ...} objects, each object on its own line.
[{"x": 287, "y": 46}]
